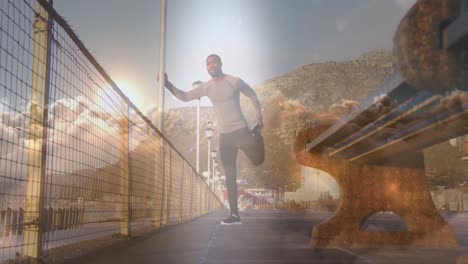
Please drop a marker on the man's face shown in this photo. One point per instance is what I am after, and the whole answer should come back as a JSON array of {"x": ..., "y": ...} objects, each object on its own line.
[{"x": 213, "y": 66}]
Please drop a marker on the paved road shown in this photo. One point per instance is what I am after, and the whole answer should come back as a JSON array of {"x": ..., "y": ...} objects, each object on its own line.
[{"x": 264, "y": 237}]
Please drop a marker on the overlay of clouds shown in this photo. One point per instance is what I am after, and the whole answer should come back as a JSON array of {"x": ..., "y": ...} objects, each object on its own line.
[
  {"x": 79, "y": 137},
  {"x": 13, "y": 170},
  {"x": 67, "y": 109},
  {"x": 12, "y": 119},
  {"x": 89, "y": 143},
  {"x": 13, "y": 156},
  {"x": 83, "y": 137},
  {"x": 9, "y": 138}
]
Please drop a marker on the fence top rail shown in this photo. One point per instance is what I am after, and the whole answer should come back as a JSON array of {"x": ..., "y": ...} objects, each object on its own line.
[{"x": 63, "y": 23}]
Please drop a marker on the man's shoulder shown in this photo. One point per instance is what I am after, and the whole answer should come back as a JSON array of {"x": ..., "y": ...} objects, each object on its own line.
[
  {"x": 205, "y": 84},
  {"x": 232, "y": 78}
]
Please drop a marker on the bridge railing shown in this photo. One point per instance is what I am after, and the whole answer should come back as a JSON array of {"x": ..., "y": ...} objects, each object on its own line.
[{"x": 80, "y": 165}]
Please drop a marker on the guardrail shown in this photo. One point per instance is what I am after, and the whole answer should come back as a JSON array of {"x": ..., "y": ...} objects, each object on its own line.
[{"x": 80, "y": 165}]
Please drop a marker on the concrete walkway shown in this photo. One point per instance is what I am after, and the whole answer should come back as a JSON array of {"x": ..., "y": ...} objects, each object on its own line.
[{"x": 264, "y": 237}]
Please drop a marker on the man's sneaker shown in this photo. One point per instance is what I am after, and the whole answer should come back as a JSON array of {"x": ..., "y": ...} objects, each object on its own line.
[
  {"x": 232, "y": 220},
  {"x": 255, "y": 130}
]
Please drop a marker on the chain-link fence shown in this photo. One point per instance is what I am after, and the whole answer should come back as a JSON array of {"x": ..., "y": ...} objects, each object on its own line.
[{"x": 80, "y": 166}]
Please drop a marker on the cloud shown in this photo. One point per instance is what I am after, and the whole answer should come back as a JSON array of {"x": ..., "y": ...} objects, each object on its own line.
[
  {"x": 79, "y": 137},
  {"x": 13, "y": 157},
  {"x": 88, "y": 142},
  {"x": 12, "y": 119},
  {"x": 82, "y": 135},
  {"x": 13, "y": 165},
  {"x": 67, "y": 109},
  {"x": 9, "y": 140}
]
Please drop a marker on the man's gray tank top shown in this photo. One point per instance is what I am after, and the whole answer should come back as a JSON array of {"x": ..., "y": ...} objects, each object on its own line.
[{"x": 225, "y": 96}]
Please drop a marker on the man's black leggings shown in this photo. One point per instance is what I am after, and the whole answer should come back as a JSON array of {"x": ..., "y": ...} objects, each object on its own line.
[{"x": 253, "y": 147}]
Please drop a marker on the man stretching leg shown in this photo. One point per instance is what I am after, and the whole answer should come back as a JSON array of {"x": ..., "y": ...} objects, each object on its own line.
[{"x": 224, "y": 92}]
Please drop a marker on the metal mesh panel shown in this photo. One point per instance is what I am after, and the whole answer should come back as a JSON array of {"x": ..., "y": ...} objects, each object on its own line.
[
  {"x": 85, "y": 150},
  {"x": 174, "y": 187},
  {"x": 186, "y": 195},
  {"x": 79, "y": 164},
  {"x": 16, "y": 78},
  {"x": 145, "y": 173}
]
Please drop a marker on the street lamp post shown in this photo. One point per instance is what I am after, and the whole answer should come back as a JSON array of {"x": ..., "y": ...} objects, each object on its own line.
[
  {"x": 162, "y": 66},
  {"x": 195, "y": 85},
  {"x": 285, "y": 190},
  {"x": 214, "y": 166},
  {"x": 209, "y": 131},
  {"x": 218, "y": 176},
  {"x": 279, "y": 195}
]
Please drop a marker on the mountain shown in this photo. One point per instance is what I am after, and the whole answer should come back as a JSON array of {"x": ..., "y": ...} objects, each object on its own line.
[{"x": 319, "y": 86}]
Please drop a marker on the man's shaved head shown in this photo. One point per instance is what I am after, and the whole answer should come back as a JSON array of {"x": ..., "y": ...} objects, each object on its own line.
[
  {"x": 214, "y": 65},
  {"x": 215, "y": 56}
]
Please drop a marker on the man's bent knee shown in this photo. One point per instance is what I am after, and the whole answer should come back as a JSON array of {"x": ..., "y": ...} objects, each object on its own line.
[{"x": 258, "y": 160}]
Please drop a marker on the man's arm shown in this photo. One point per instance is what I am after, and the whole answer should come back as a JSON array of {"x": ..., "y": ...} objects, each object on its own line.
[
  {"x": 249, "y": 92},
  {"x": 185, "y": 96}
]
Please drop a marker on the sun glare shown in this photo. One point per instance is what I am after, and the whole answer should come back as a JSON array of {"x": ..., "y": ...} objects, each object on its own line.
[
  {"x": 129, "y": 89},
  {"x": 109, "y": 101}
]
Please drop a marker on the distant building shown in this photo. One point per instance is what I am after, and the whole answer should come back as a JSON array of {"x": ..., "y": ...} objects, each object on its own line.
[
  {"x": 450, "y": 199},
  {"x": 316, "y": 185}
]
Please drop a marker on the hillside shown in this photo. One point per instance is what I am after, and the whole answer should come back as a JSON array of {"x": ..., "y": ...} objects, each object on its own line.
[{"x": 318, "y": 86}]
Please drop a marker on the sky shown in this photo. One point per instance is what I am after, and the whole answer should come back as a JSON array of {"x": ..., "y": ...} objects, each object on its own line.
[{"x": 257, "y": 39}]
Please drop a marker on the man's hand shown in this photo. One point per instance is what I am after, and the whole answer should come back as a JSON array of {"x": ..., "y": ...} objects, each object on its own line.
[
  {"x": 166, "y": 79},
  {"x": 260, "y": 120}
]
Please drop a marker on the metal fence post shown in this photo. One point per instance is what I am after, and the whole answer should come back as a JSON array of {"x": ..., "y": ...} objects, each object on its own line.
[
  {"x": 182, "y": 192},
  {"x": 164, "y": 191},
  {"x": 192, "y": 191},
  {"x": 160, "y": 157},
  {"x": 202, "y": 199},
  {"x": 33, "y": 213},
  {"x": 202, "y": 204},
  {"x": 210, "y": 207},
  {"x": 170, "y": 193},
  {"x": 205, "y": 199},
  {"x": 125, "y": 184}
]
